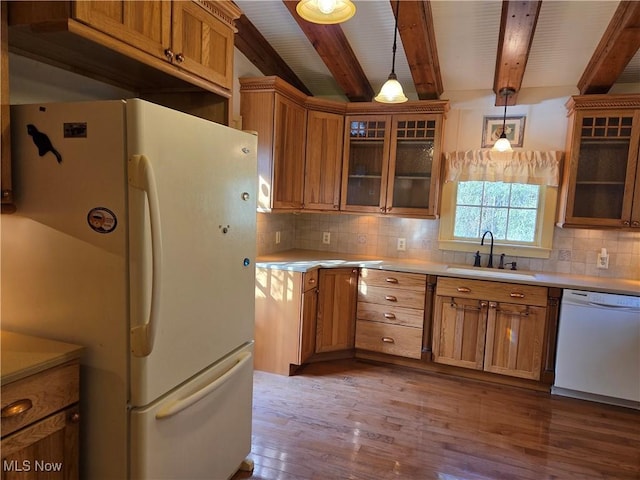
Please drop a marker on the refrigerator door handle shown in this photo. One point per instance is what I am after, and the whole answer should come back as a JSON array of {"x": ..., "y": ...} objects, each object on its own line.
[
  {"x": 176, "y": 406},
  {"x": 140, "y": 176}
]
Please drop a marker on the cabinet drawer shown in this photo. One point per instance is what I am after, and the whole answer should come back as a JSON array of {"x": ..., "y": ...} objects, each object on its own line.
[
  {"x": 38, "y": 396},
  {"x": 389, "y": 339},
  {"x": 391, "y": 297},
  {"x": 382, "y": 278},
  {"x": 495, "y": 291},
  {"x": 310, "y": 280},
  {"x": 409, "y": 317}
]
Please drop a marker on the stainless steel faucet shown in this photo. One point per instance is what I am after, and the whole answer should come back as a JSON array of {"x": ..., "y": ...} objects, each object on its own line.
[{"x": 490, "y": 263}]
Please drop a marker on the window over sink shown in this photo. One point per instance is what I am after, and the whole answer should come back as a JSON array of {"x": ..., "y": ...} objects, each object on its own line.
[{"x": 515, "y": 198}]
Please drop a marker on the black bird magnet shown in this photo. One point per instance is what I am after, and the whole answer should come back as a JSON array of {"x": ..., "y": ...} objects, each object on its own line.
[{"x": 43, "y": 143}]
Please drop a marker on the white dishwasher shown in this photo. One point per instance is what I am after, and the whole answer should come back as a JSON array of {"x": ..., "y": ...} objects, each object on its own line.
[{"x": 598, "y": 355}]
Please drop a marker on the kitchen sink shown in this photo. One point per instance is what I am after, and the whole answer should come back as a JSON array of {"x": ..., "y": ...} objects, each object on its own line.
[{"x": 491, "y": 273}]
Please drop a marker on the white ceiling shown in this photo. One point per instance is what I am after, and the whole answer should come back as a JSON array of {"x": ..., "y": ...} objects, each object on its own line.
[{"x": 466, "y": 33}]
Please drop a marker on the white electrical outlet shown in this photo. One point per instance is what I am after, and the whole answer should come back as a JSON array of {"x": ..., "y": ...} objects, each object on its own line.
[
  {"x": 603, "y": 261},
  {"x": 402, "y": 244},
  {"x": 326, "y": 238},
  {"x": 277, "y": 237}
]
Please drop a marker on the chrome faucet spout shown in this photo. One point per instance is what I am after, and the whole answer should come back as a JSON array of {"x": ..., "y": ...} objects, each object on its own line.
[{"x": 490, "y": 263}]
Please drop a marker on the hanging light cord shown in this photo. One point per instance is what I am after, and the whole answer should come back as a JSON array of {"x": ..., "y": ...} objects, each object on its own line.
[
  {"x": 395, "y": 36},
  {"x": 504, "y": 116}
]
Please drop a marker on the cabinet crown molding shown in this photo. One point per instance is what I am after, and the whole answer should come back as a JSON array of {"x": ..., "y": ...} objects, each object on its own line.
[{"x": 589, "y": 102}]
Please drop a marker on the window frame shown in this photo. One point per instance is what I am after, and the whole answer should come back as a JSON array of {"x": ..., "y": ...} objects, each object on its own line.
[{"x": 543, "y": 242}]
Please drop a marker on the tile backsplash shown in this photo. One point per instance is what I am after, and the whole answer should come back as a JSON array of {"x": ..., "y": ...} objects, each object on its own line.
[{"x": 574, "y": 250}]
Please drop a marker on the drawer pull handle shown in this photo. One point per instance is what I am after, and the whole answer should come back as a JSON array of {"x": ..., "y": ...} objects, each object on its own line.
[
  {"x": 388, "y": 340},
  {"x": 390, "y": 298},
  {"x": 389, "y": 316},
  {"x": 516, "y": 295},
  {"x": 391, "y": 280},
  {"x": 464, "y": 289},
  {"x": 312, "y": 281},
  {"x": 16, "y": 408}
]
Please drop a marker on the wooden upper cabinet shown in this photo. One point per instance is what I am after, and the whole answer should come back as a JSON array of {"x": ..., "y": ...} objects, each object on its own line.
[
  {"x": 275, "y": 110},
  {"x": 392, "y": 162},
  {"x": 288, "y": 154},
  {"x": 601, "y": 188},
  {"x": 323, "y": 160},
  {"x": 202, "y": 43},
  {"x": 154, "y": 46},
  {"x": 144, "y": 25},
  {"x": 184, "y": 33}
]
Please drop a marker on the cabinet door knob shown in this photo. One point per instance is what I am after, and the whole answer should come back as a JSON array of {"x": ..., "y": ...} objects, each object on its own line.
[
  {"x": 388, "y": 340},
  {"x": 75, "y": 417},
  {"x": 390, "y": 298},
  {"x": 626, "y": 223},
  {"x": 16, "y": 408},
  {"x": 169, "y": 54},
  {"x": 635, "y": 223},
  {"x": 179, "y": 58}
]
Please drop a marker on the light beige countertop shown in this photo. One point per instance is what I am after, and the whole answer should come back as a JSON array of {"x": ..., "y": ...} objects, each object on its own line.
[
  {"x": 305, "y": 260},
  {"x": 23, "y": 355}
]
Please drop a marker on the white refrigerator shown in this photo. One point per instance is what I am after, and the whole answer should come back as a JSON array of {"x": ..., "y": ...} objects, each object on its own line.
[{"x": 135, "y": 237}]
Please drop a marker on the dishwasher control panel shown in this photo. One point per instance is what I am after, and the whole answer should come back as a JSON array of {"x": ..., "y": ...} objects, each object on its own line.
[{"x": 604, "y": 299}]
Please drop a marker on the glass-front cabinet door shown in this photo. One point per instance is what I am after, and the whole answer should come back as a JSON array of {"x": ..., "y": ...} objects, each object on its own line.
[
  {"x": 390, "y": 164},
  {"x": 604, "y": 168},
  {"x": 411, "y": 165},
  {"x": 366, "y": 165}
]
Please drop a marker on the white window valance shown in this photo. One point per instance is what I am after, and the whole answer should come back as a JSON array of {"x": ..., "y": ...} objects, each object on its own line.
[{"x": 531, "y": 167}]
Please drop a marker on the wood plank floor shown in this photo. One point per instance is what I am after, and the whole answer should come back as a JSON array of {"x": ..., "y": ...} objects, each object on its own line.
[{"x": 354, "y": 420}]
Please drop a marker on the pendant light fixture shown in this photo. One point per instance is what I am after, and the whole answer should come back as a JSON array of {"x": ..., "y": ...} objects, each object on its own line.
[
  {"x": 391, "y": 91},
  {"x": 326, "y": 11},
  {"x": 503, "y": 144}
]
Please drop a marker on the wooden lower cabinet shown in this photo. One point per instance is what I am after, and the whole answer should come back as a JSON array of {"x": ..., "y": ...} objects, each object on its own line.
[
  {"x": 491, "y": 326},
  {"x": 390, "y": 313},
  {"x": 40, "y": 425},
  {"x": 336, "y": 309},
  {"x": 285, "y": 319}
]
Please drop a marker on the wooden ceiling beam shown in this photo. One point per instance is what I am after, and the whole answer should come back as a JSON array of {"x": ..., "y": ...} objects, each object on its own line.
[
  {"x": 517, "y": 25},
  {"x": 331, "y": 44},
  {"x": 259, "y": 52},
  {"x": 415, "y": 25},
  {"x": 618, "y": 45}
]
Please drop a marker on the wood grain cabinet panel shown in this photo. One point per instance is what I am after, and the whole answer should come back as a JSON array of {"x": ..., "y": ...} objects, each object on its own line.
[
  {"x": 323, "y": 161},
  {"x": 6, "y": 188},
  {"x": 390, "y": 312},
  {"x": 603, "y": 144},
  {"x": 336, "y": 309},
  {"x": 491, "y": 326},
  {"x": 392, "y": 164},
  {"x": 175, "y": 53},
  {"x": 285, "y": 319},
  {"x": 40, "y": 425}
]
